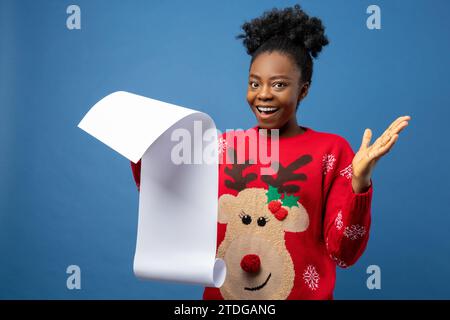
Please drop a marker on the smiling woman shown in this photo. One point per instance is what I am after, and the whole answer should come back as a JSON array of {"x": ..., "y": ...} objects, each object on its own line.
[
  {"x": 282, "y": 234},
  {"x": 281, "y": 44}
]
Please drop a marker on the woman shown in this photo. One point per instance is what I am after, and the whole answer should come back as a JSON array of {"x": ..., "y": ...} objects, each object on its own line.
[{"x": 283, "y": 234}]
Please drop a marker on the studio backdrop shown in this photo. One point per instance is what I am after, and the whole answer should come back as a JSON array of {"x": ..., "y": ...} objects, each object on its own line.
[{"x": 69, "y": 204}]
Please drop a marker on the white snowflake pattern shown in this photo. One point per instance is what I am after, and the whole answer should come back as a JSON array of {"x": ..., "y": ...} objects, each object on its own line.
[
  {"x": 338, "y": 221},
  {"x": 311, "y": 277},
  {"x": 354, "y": 232},
  {"x": 338, "y": 261},
  {"x": 222, "y": 145},
  {"x": 347, "y": 172},
  {"x": 328, "y": 161}
]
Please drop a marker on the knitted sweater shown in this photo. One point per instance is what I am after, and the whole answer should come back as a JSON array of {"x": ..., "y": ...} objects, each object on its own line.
[{"x": 282, "y": 234}]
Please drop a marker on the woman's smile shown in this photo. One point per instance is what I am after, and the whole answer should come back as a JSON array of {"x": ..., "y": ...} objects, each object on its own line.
[{"x": 266, "y": 112}]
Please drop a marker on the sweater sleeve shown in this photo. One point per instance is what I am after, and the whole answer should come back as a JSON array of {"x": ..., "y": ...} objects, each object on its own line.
[
  {"x": 136, "y": 169},
  {"x": 347, "y": 214}
]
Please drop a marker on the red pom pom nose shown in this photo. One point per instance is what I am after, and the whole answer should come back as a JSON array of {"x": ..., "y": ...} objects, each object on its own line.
[{"x": 251, "y": 263}]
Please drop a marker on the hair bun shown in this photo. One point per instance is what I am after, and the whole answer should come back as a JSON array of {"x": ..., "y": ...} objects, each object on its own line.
[{"x": 291, "y": 23}]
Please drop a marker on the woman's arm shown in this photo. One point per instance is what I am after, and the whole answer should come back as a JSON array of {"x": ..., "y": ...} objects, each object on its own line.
[
  {"x": 347, "y": 212},
  {"x": 348, "y": 204},
  {"x": 347, "y": 221}
]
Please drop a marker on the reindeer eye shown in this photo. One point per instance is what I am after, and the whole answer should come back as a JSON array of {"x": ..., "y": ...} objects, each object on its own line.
[
  {"x": 246, "y": 219},
  {"x": 262, "y": 221}
]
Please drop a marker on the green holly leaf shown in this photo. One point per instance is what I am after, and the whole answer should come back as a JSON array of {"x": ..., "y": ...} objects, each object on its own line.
[
  {"x": 289, "y": 201},
  {"x": 272, "y": 194}
]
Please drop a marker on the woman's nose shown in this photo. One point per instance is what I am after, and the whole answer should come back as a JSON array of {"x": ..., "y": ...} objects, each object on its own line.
[
  {"x": 265, "y": 93},
  {"x": 251, "y": 263}
]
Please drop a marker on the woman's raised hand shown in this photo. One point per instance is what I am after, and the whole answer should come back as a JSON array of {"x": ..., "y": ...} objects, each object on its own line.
[{"x": 368, "y": 155}]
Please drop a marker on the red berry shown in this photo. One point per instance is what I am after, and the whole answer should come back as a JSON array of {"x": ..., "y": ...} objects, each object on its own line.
[
  {"x": 281, "y": 214},
  {"x": 274, "y": 206}
]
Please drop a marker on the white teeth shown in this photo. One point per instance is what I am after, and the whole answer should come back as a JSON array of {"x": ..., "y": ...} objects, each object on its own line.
[{"x": 267, "y": 109}]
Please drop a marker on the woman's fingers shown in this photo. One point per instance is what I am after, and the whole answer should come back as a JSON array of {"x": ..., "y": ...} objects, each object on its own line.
[
  {"x": 384, "y": 143},
  {"x": 399, "y": 127},
  {"x": 395, "y": 128},
  {"x": 383, "y": 149},
  {"x": 397, "y": 121},
  {"x": 367, "y": 136}
]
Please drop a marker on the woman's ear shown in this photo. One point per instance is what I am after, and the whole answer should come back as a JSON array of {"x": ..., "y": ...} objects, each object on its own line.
[{"x": 303, "y": 92}]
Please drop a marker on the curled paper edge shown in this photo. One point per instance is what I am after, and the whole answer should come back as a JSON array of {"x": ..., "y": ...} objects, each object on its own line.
[{"x": 104, "y": 122}]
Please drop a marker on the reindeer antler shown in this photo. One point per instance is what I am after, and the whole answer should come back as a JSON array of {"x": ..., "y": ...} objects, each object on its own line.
[
  {"x": 240, "y": 181},
  {"x": 286, "y": 174}
]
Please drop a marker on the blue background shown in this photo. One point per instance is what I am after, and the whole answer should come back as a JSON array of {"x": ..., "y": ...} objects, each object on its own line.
[{"x": 66, "y": 198}]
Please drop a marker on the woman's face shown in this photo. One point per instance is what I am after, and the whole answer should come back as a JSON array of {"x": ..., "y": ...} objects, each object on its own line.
[{"x": 274, "y": 91}]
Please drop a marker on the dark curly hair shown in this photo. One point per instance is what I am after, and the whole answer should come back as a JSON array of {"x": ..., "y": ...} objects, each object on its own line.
[{"x": 290, "y": 31}]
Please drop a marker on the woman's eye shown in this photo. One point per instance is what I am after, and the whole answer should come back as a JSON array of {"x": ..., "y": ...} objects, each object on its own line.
[
  {"x": 253, "y": 85},
  {"x": 282, "y": 85}
]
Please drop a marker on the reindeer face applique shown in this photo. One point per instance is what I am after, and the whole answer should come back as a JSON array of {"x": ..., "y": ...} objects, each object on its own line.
[{"x": 259, "y": 265}]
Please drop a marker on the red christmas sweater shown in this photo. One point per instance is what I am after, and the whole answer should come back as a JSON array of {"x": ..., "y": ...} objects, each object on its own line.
[{"x": 282, "y": 234}]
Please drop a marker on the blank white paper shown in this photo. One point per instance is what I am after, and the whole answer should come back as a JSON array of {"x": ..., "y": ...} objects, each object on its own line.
[{"x": 177, "y": 226}]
